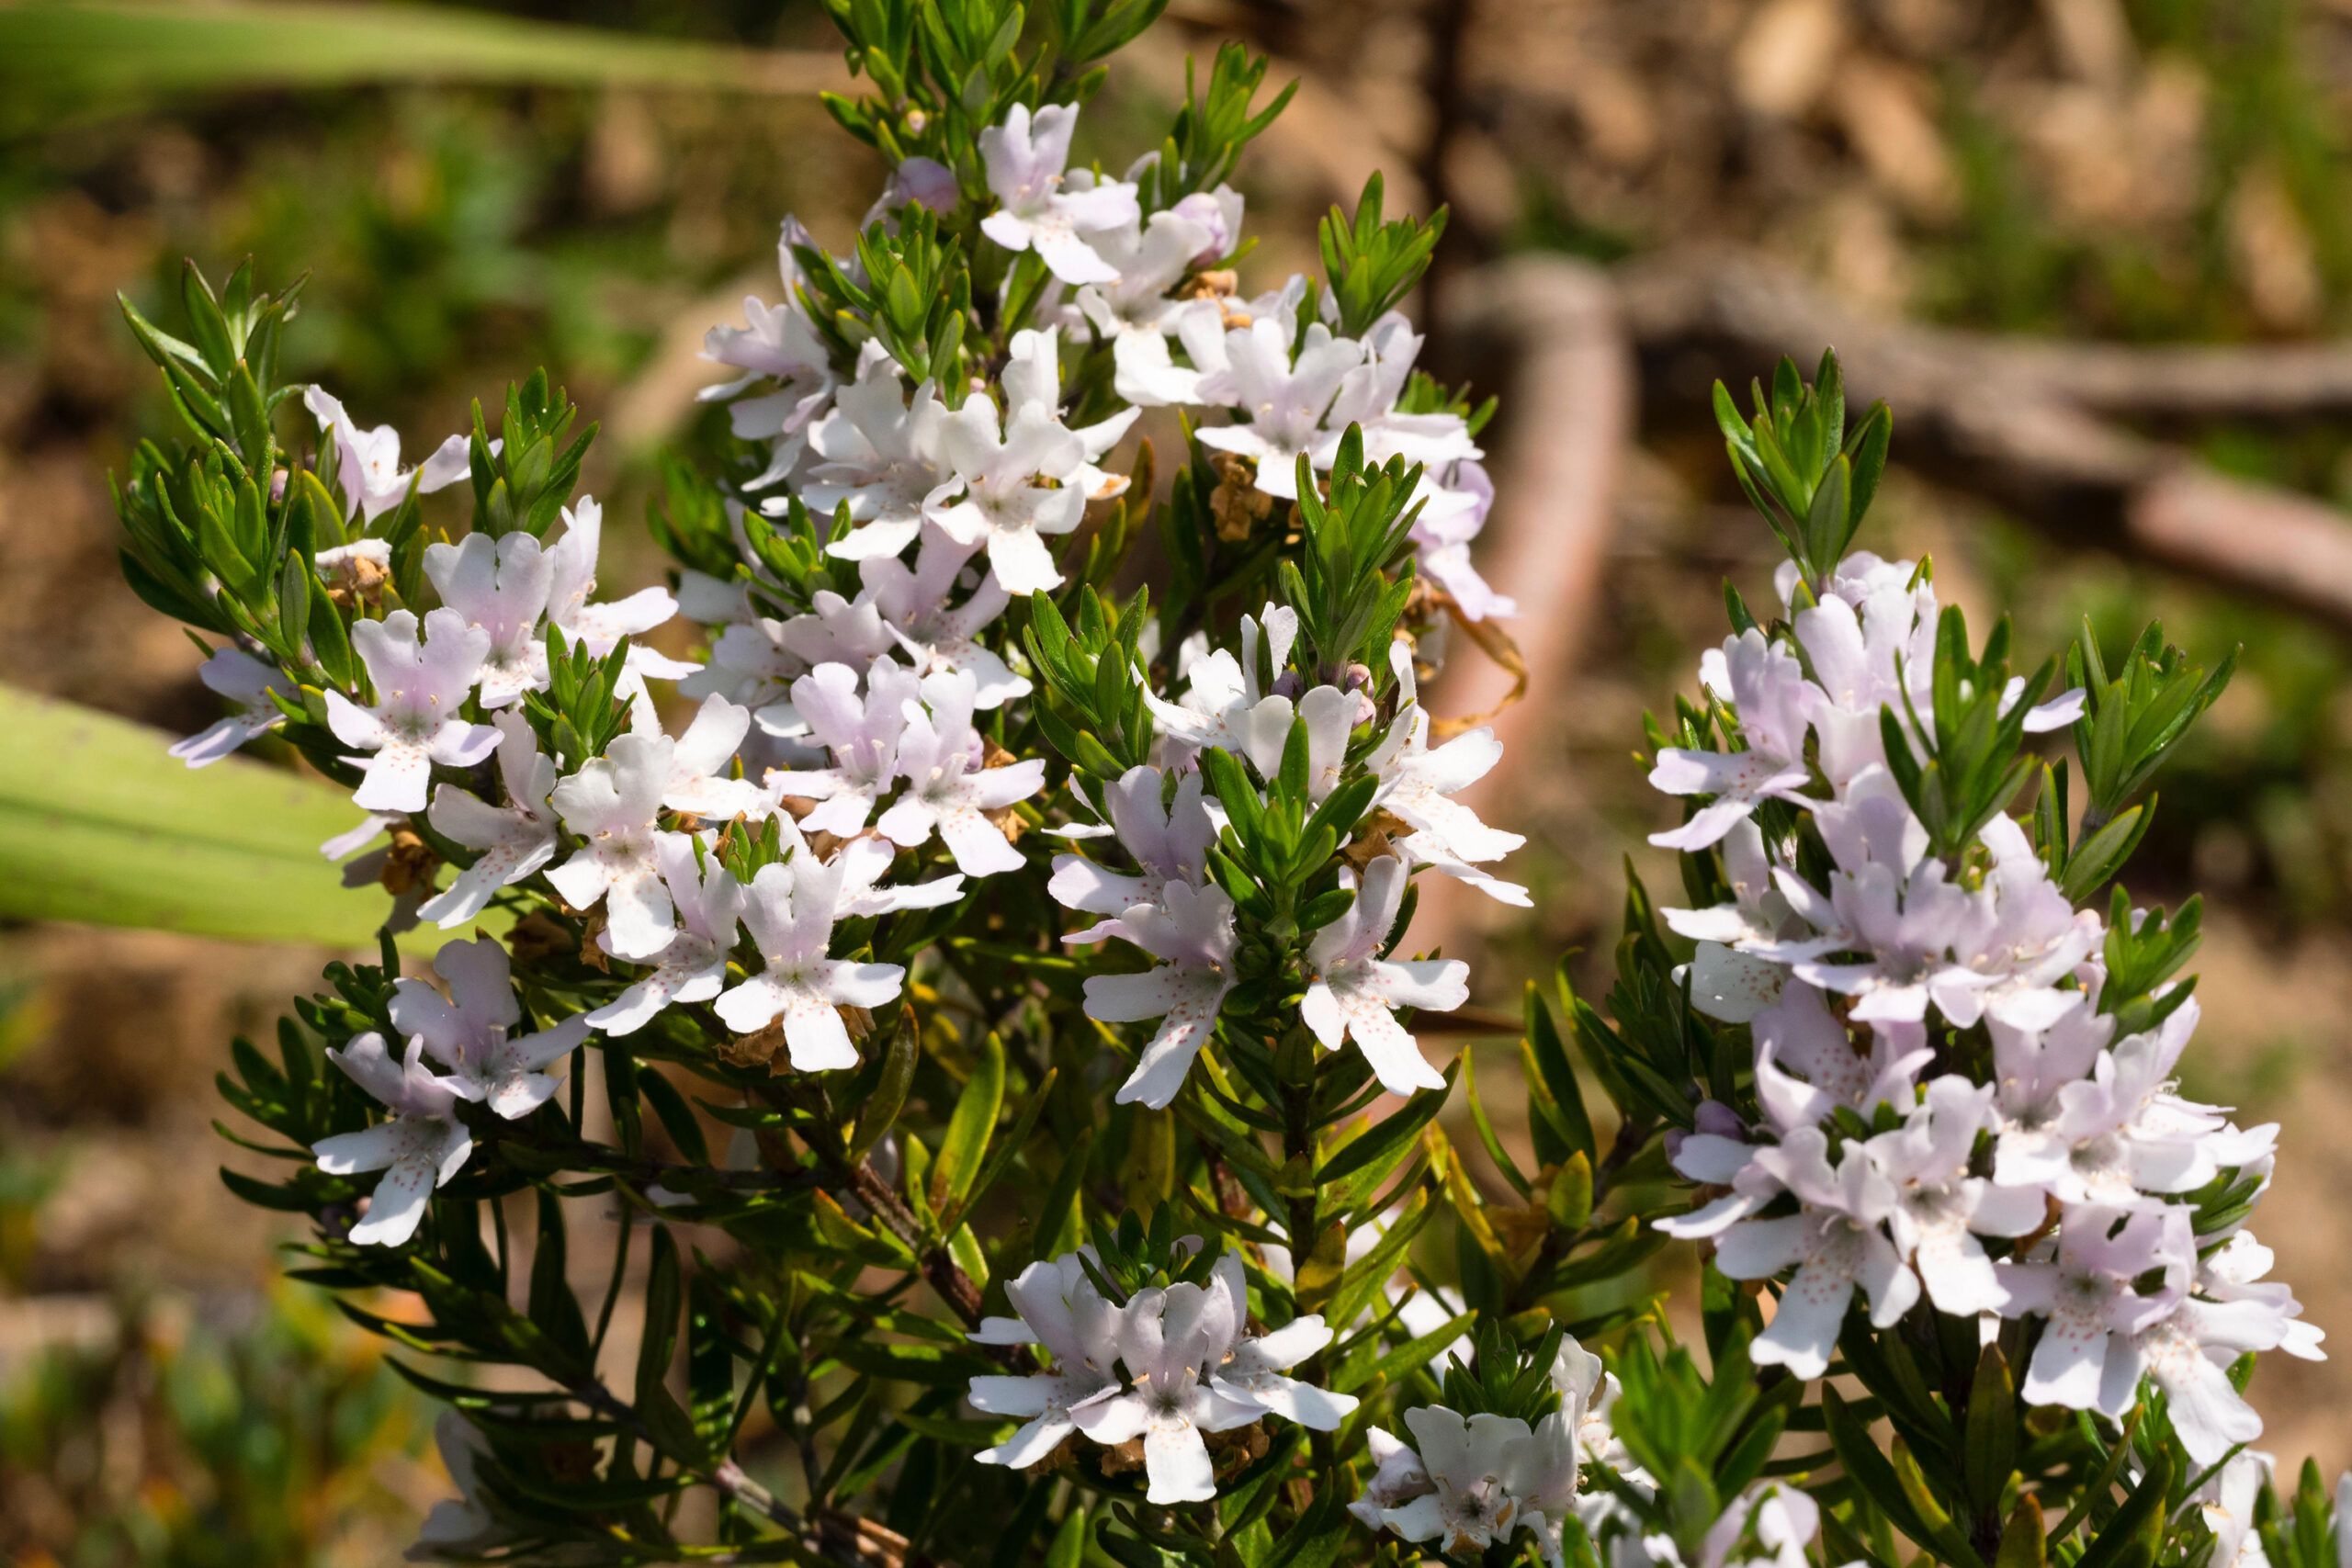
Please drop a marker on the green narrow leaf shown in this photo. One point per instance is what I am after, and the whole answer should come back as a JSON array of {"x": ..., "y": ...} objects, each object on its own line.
[{"x": 969, "y": 1127}]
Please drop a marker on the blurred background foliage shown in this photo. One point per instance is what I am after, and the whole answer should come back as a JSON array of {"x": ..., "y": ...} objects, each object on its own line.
[{"x": 471, "y": 202}]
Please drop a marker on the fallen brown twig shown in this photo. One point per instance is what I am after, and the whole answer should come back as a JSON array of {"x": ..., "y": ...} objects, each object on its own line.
[{"x": 2029, "y": 427}]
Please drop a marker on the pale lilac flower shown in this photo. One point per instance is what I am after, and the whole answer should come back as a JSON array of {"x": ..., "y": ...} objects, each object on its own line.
[
  {"x": 1225, "y": 706},
  {"x": 1134, "y": 311},
  {"x": 937, "y": 634},
  {"x": 2116, "y": 1131},
  {"x": 1489, "y": 1476},
  {"x": 419, "y": 1149},
  {"x": 421, "y": 685},
  {"x": 1766, "y": 686},
  {"x": 501, "y": 586},
  {"x": 1728, "y": 979},
  {"x": 614, "y": 803},
  {"x": 1809, "y": 1065},
  {"x": 1040, "y": 207},
  {"x": 1003, "y": 506},
  {"x": 2018, "y": 939},
  {"x": 2227, "y": 1502},
  {"x": 1396, "y": 1479},
  {"x": 1939, "y": 1208},
  {"x": 776, "y": 343},
  {"x": 699, "y": 783},
  {"x": 1284, "y": 396},
  {"x": 1032, "y": 379},
  {"x": 1169, "y": 843},
  {"x": 514, "y": 839},
  {"x": 882, "y": 452},
  {"x": 1454, "y": 510},
  {"x": 2232, "y": 1273},
  {"x": 248, "y": 683},
  {"x": 2186, "y": 1354},
  {"x": 1169, "y": 1337},
  {"x": 1218, "y": 212},
  {"x": 1836, "y": 1242},
  {"x": 949, "y": 791},
  {"x": 599, "y": 627},
  {"x": 861, "y": 734},
  {"x": 1367, "y": 398},
  {"x": 1353, "y": 992},
  {"x": 2094, "y": 1308},
  {"x": 470, "y": 1030},
  {"x": 1060, "y": 1309},
  {"x": 1190, "y": 931},
  {"x": 368, "y": 462},
  {"x": 789, "y": 911},
  {"x": 692, "y": 966},
  {"x": 1418, "y": 782}
]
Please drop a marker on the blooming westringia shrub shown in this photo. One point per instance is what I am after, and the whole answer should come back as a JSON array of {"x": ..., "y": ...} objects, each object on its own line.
[{"x": 944, "y": 960}]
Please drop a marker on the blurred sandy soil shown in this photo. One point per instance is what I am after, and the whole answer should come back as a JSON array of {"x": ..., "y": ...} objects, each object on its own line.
[{"x": 2082, "y": 167}]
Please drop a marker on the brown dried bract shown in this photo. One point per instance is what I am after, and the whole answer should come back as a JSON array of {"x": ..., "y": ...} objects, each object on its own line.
[
  {"x": 538, "y": 937},
  {"x": 1373, "y": 841},
  {"x": 752, "y": 1050},
  {"x": 1122, "y": 1457},
  {"x": 408, "y": 863},
  {"x": 1237, "y": 505},
  {"x": 355, "y": 579}
]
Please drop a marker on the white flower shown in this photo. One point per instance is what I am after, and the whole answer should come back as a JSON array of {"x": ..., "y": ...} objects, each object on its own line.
[
  {"x": 692, "y": 966},
  {"x": 699, "y": 785},
  {"x": 1042, "y": 209},
  {"x": 1170, "y": 1336},
  {"x": 789, "y": 911},
  {"x": 419, "y": 1149},
  {"x": 861, "y": 734},
  {"x": 1368, "y": 396},
  {"x": 2227, "y": 1504},
  {"x": 776, "y": 343},
  {"x": 1284, "y": 396},
  {"x": 1939, "y": 1208},
  {"x": 937, "y": 634},
  {"x": 514, "y": 840},
  {"x": 248, "y": 683},
  {"x": 1003, "y": 506},
  {"x": 1060, "y": 1309},
  {"x": 463, "y": 1526},
  {"x": 1835, "y": 1243},
  {"x": 1454, "y": 512},
  {"x": 600, "y": 627},
  {"x": 1417, "y": 781},
  {"x": 1169, "y": 843},
  {"x": 880, "y": 451},
  {"x": 949, "y": 791},
  {"x": 614, "y": 802},
  {"x": 470, "y": 1030},
  {"x": 1191, "y": 932},
  {"x": 368, "y": 462},
  {"x": 1398, "y": 1478},
  {"x": 2094, "y": 1306},
  {"x": 420, "y": 686},
  {"x": 501, "y": 586},
  {"x": 1134, "y": 311},
  {"x": 1489, "y": 1477},
  {"x": 1032, "y": 379},
  {"x": 1225, "y": 705},
  {"x": 1766, "y": 684},
  {"x": 1352, "y": 991}
]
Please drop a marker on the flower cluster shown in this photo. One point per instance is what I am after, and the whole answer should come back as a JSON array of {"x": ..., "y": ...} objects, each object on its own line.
[
  {"x": 1954, "y": 1097},
  {"x": 1165, "y": 1369},
  {"x": 1004, "y": 920}
]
